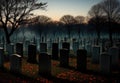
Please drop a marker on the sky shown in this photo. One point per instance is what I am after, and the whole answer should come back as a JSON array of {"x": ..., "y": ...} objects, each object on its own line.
[{"x": 58, "y": 8}]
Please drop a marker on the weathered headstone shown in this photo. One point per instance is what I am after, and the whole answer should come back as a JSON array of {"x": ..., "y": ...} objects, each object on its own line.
[
  {"x": 89, "y": 49},
  {"x": 43, "y": 47},
  {"x": 64, "y": 57},
  {"x": 15, "y": 63},
  {"x": 32, "y": 53},
  {"x": 55, "y": 51},
  {"x": 114, "y": 53},
  {"x": 75, "y": 47},
  {"x": 10, "y": 49},
  {"x": 66, "y": 45},
  {"x": 27, "y": 43},
  {"x": 118, "y": 45},
  {"x": 44, "y": 64},
  {"x": 1, "y": 45},
  {"x": 105, "y": 63},
  {"x": 95, "y": 54},
  {"x": 49, "y": 44},
  {"x": 19, "y": 49},
  {"x": 81, "y": 60},
  {"x": 1, "y": 57}
]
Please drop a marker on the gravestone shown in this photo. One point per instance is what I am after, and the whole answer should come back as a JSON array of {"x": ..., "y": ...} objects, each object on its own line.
[
  {"x": 81, "y": 60},
  {"x": 1, "y": 57},
  {"x": 44, "y": 64},
  {"x": 105, "y": 63},
  {"x": 75, "y": 47},
  {"x": 1, "y": 45},
  {"x": 89, "y": 49},
  {"x": 95, "y": 54},
  {"x": 66, "y": 45},
  {"x": 27, "y": 43},
  {"x": 15, "y": 63},
  {"x": 50, "y": 44},
  {"x": 19, "y": 49},
  {"x": 118, "y": 45},
  {"x": 43, "y": 47},
  {"x": 114, "y": 53},
  {"x": 60, "y": 44},
  {"x": 32, "y": 53},
  {"x": 10, "y": 49},
  {"x": 64, "y": 57},
  {"x": 55, "y": 50}
]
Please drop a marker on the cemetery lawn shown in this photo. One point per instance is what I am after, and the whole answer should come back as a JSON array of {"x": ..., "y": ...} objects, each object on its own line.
[{"x": 66, "y": 75}]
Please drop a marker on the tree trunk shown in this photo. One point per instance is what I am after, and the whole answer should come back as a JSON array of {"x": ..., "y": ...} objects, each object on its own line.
[
  {"x": 8, "y": 39},
  {"x": 98, "y": 37},
  {"x": 110, "y": 32},
  {"x": 7, "y": 36},
  {"x": 110, "y": 36},
  {"x": 69, "y": 33}
]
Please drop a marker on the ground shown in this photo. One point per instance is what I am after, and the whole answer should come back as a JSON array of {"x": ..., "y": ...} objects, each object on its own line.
[{"x": 30, "y": 74}]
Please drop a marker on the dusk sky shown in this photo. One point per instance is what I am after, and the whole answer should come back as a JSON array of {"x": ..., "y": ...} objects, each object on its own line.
[{"x": 57, "y": 8}]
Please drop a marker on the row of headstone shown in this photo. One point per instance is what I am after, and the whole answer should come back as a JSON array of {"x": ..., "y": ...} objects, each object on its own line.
[{"x": 45, "y": 61}]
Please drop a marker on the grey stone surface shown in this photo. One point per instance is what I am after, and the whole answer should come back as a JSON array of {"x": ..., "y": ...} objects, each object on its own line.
[
  {"x": 81, "y": 60},
  {"x": 114, "y": 53},
  {"x": 43, "y": 47},
  {"x": 1, "y": 57},
  {"x": 19, "y": 49},
  {"x": 64, "y": 57},
  {"x": 105, "y": 63},
  {"x": 32, "y": 53},
  {"x": 16, "y": 63},
  {"x": 95, "y": 54},
  {"x": 44, "y": 64}
]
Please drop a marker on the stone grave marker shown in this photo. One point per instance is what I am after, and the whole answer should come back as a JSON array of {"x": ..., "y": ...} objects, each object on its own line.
[
  {"x": 44, "y": 64},
  {"x": 105, "y": 63},
  {"x": 15, "y": 63},
  {"x": 19, "y": 49},
  {"x": 32, "y": 53},
  {"x": 1, "y": 57},
  {"x": 64, "y": 57},
  {"x": 114, "y": 53},
  {"x": 10, "y": 49},
  {"x": 75, "y": 47},
  {"x": 55, "y": 51},
  {"x": 27, "y": 43},
  {"x": 118, "y": 45},
  {"x": 66, "y": 45},
  {"x": 89, "y": 49},
  {"x": 43, "y": 47},
  {"x": 1, "y": 45},
  {"x": 95, "y": 54},
  {"x": 81, "y": 60}
]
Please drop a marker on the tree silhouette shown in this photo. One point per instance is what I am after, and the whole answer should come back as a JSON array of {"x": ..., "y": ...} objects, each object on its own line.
[
  {"x": 40, "y": 23},
  {"x": 41, "y": 19},
  {"x": 111, "y": 10},
  {"x": 80, "y": 20},
  {"x": 15, "y": 12},
  {"x": 96, "y": 18},
  {"x": 68, "y": 20}
]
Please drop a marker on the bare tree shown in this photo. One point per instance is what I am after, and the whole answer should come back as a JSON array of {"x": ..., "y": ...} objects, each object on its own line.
[
  {"x": 68, "y": 20},
  {"x": 41, "y": 19},
  {"x": 80, "y": 20},
  {"x": 15, "y": 12},
  {"x": 111, "y": 10},
  {"x": 41, "y": 23},
  {"x": 96, "y": 18}
]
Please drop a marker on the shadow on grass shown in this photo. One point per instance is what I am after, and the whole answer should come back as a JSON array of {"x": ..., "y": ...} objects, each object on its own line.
[{"x": 31, "y": 79}]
